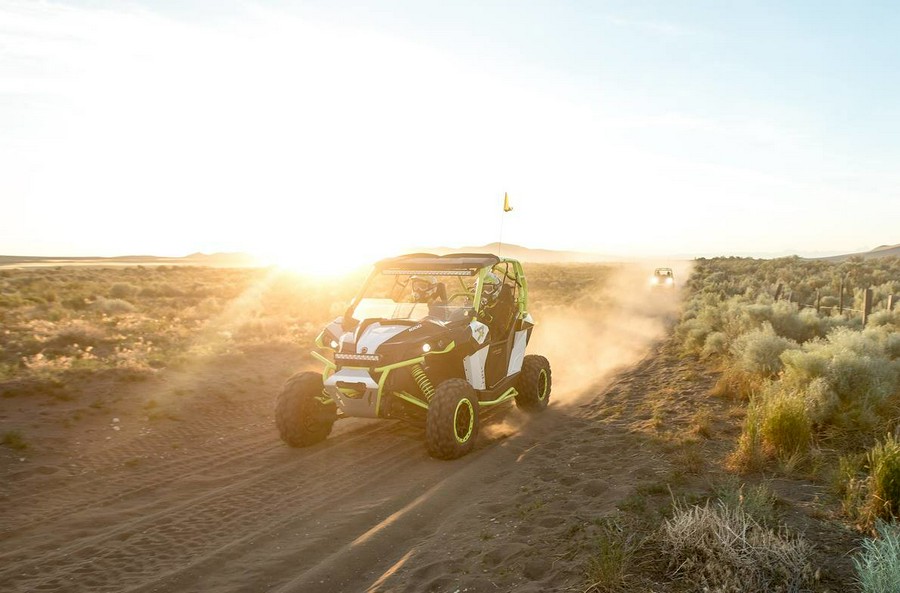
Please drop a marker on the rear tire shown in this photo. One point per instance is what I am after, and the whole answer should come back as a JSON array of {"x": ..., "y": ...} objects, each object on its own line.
[
  {"x": 534, "y": 384},
  {"x": 452, "y": 422},
  {"x": 302, "y": 418}
]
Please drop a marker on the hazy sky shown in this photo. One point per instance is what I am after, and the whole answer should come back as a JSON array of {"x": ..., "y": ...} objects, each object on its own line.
[{"x": 359, "y": 129}]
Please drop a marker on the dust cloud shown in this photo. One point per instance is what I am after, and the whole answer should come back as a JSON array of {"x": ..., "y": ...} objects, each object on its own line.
[{"x": 612, "y": 327}]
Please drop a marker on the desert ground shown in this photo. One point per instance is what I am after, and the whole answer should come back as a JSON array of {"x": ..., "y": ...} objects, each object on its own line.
[{"x": 179, "y": 482}]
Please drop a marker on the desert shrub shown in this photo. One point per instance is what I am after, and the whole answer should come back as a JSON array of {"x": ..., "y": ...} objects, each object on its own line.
[
  {"x": 847, "y": 378},
  {"x": 748, "y": 456},
  {"x": 822, "y": 403},
  {"x": 884, "y": 478},
  {"x": 162, "y": 289},
  {"x": 757, "y": 501},
  {"x": 78, "y": 332},
  {"x": 830, "y": 301},
  {"x": 76, "y": 303},
  {"x": 759, "y": 351},
  {"x": 737, "y": 383},
  {"x": 715, "y": 344},
  {"x": 785, "y": 427},
  {"x": 850, "y": 482},
  {"x": 795, "y": 325},
  {"x": 878, "y": 565},
  {"x": 112, "y": 306},
  {"x": 721, "y": 548},
  {"x": 890, "y": 319},
  {"x": 860, "y": 378},
  {"x": 123, "y": 290},
  {"x": 610, "y": 556}
]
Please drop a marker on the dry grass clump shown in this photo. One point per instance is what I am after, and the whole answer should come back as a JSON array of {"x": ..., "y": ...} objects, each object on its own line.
[
  {"x": 715, "y": 547},
  {"x": 785, "y": 427},
  {"x": 884, "y": 478},
  {"x": 757, "y": 501},
  {"x": 611, "y": 557},
  {"x": 878, "y": 565},
  {"x": 869, "y": 483}
]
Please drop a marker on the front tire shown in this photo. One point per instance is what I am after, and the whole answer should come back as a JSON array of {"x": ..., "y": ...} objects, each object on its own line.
[
  {"x": 534, "y": 384},
  {"x": 452, "y": 422},
  {"x": 302, "y": 418}
]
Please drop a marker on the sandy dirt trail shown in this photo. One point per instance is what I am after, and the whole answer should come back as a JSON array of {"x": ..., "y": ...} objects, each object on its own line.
[{"x": 214, "y": 501}]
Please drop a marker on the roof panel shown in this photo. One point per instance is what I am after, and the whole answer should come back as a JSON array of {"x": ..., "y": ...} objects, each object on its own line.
[{"x": 430, "y": 261}]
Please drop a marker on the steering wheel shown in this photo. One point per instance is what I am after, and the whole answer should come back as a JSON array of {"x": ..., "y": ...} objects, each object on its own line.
[{"x": 459, "y": 295}]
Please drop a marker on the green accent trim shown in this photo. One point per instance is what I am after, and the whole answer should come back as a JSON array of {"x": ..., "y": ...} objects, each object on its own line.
[
  {"x": 330, "y": 367},
  {"x": 542, "y": 385},
  {"x": 325, "y": 398},
  {"x": 323, "y": 360},
  {"x": 478, "y": 286},
  {"x": 468, "y": 434},
  {"x": 507, "y": 395},
  {"x": 385, "y": 371},
  {"x": 411, "y": 399}
]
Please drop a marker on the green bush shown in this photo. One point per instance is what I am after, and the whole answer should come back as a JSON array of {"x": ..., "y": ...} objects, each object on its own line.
[{"x": 878, "y": 565}]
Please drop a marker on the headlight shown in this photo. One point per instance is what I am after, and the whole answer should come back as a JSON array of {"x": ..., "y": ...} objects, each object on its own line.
[
  {"x": 654, "y": 280},
  {"x": 334, "y": 344},
  {"x": 426, "y": 348},
  {"x": 670, "y": 281}
]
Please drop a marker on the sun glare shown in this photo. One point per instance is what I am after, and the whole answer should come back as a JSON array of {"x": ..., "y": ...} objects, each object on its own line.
[{"x": 322, "y": 264}]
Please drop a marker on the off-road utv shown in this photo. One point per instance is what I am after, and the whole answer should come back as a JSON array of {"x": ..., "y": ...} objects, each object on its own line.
[
  {"x": 662, "y": 278},
  {"x": 429, "y": 339}
]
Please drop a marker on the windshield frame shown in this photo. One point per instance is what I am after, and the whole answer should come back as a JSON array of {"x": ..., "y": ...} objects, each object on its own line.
[{"x": 444, "y": 275}]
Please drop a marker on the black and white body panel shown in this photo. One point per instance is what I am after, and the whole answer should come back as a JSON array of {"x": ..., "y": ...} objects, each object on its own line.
[{"x": 508, "y": 354}]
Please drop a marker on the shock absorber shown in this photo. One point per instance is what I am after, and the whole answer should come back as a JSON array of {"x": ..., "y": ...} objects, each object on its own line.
[{"x": 423, "y": 381}]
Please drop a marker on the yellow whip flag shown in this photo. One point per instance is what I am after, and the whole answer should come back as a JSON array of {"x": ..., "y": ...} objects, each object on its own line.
[{"x": 506, "y": 206}]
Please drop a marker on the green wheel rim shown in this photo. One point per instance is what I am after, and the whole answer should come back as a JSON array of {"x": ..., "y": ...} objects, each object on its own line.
[
  {"x": 463, "y": 420},
  {"x": 542, "y": 385}
]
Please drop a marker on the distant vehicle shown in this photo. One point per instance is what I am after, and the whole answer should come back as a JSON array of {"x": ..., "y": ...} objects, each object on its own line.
[
  {"x": 429, "y": 339},
  {"x": 662, "y": 278}
]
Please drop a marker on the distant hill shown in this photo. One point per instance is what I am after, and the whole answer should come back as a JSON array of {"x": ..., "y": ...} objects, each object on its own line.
[
  {"x": 880, "y": 251},
  {"x": 215, "y": 260}
]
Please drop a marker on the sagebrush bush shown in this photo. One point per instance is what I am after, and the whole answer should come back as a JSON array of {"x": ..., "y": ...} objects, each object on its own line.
[
  {"x": 822, "y": 403},
  {"x": 759, "y": 351},
  {"x": 123, "y": 290},
  {"x": 112, "y": 306},
  {"x": 716, "y": 344},
  {"x": 878, "y": 565}
]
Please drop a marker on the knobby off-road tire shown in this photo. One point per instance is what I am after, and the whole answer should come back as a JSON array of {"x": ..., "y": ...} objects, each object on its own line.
[
  {"x": 301, "y": 417},
  {"x": 534, "y": 384},
  {"x": 452, "y": 422}
]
